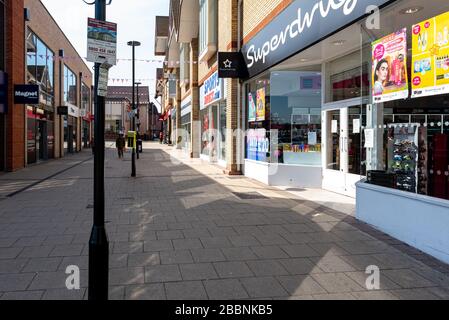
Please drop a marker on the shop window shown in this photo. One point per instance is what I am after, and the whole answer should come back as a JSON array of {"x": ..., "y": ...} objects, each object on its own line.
[
  {"x": 295, "y": 112},
  {"x": 408, "y": 134}
]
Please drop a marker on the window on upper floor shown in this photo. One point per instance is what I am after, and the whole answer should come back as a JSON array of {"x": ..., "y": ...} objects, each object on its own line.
[
  {"x": 85, "y": 95},
  {"x": 208, "y": 36},
  {"x": 184, "y": 66},
  {"x": 2, "y": 35},
  {"x": 40, "y": 66},
  {"x": 70, "y": 86}
]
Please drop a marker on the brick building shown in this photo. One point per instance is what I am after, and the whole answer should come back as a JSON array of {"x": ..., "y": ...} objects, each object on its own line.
[{"x": 38, "y": 52}]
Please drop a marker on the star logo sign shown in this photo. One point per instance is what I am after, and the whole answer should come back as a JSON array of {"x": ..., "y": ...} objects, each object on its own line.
[{"x": 227, "y": 64}]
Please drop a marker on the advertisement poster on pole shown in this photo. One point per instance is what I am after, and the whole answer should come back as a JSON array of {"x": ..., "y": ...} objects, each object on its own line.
[
  {"x": 260, "y": 113},
  {"x": 101, "y": 42},
  {"x": 251, "y": 108},
  {"x": 389, "y": 65},
  {"x": 430, "y": 57}
]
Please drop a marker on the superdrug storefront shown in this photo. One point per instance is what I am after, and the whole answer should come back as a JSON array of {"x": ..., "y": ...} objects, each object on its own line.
[{"x": 357, "y": 104}]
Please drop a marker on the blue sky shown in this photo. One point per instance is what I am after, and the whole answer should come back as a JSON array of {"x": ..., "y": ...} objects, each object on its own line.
[{"x": 135, "y": 19}]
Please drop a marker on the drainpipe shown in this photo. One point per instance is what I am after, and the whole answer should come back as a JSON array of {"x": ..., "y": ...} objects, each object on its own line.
[{"x": 240, "y": 112}]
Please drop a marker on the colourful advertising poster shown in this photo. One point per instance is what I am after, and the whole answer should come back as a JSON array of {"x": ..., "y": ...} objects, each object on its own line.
[
  {"x": 258, "y": 145},
  {"x": 260, "y": 114},
  {"x": 390, "y": 81},
  {"x": 430, "y": 63},
  {"x": 251, "y": 108}
]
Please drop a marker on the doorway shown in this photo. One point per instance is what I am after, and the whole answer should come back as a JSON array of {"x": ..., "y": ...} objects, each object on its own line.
[
  {"x": 2, "y": 142},
  {"x": 345, "y": 157},
  {"x": 41, "y": 140}
]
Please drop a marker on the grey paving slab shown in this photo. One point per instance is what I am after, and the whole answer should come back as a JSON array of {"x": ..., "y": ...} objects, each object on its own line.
[
  {"x": 55, "y": 280},
  {"x": 225, "y": 289},
  {"x": 64, "y": 294},
  {"x": 23, "y": 295},
  {"x": 361, "y": 278},
  {"x": 269, "y": 252},
  {"x": 128, "y": 247},
  {"x": 239, "y": 254},
  {"x": 186, "y": 290},
  {"x": 407, "y": 278},
  {"x": 29, "y": 241},
  {"x": 300, "y": 251},
  {"x": 216, "y": 242},
  {"x": 232, "y": 269},
  {"x": 374, "y": 295},
  {"x": 186, "y": 244},
  {"x": 42, "y": 264},
  {"x": 332, "y": 264},
  {"x": 299, "y": 266},
  {"x": 67, "y": 250},
  {"x": 300, "y": 285},
  {"x": 207, "y": 255},
  {"x": 162, "y": 273},
  {"x": 10, "y": 253},
  {"x": 176, "y": 257},
  {"x": 157, "y": 245},
  {"x": 334, "y": 296},
  {"x": 243, "y": 241},
  {"x": 336, "y": 282},
  {"x": 15, "y": 282},
  {"x": 145, "y": 292},
  {"x": 196, "y": 233},
  {"x": 415, "y": 294},
  {"x": 263, "y": 287},
  {"x": 12, "y": 265},
  {"x": 267, "y": 268},
  {"x": 198, "y": 271},
  {"x": 169, "y": 235}
]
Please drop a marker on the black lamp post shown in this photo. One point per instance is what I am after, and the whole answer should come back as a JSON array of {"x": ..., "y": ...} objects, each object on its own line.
[
  {"x": 138, "y": 117},
  {"x": 134, "y": 44},
  {"x": 98, "y": 243}
]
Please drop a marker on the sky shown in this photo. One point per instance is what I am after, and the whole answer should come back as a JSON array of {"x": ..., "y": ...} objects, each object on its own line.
[{"x": 136, "y": 21}]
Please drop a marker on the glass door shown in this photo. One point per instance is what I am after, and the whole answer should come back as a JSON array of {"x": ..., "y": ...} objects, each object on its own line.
[{"x": 344, "y": 164}]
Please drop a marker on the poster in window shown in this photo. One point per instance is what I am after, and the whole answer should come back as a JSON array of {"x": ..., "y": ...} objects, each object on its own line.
[
  {"x": 260, "y": 114},
  {"x": 390, "y": 79},
  {"x": 251, "y": 108},
  {"x": 430, "y": 57}
]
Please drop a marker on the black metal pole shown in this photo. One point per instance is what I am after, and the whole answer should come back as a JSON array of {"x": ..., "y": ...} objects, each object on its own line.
[
  {"x": 133, "y": 171},
  {"x": 98, "y": 243},
  {"x": 138, "y": 117}
]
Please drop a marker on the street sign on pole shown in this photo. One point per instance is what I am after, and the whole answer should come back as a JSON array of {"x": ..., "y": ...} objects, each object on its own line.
[
  {"x": 103, "y": 80},
  {"x": 101, "y": 41}
]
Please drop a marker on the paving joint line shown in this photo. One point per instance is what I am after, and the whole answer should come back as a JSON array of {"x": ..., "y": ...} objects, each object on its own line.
[{"x": 47, "y": 178}]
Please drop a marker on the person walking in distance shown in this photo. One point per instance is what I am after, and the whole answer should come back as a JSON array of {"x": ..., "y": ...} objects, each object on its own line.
[
  {"x": 120, "y": 144},
  {"x": 161, "y": 137}
]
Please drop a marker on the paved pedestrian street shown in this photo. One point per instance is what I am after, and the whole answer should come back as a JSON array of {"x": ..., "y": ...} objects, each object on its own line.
[{"x": 184, "y": 230}]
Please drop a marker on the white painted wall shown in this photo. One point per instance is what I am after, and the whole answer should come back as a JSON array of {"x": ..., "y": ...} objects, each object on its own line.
[
  {"x": 420, "y": 221},
  {"x": 284, "y": 175}
]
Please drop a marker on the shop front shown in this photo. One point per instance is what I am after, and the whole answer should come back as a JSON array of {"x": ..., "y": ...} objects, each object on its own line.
[
  {"x": 40, "y": 134},
  {"x": 185, "y": 130},
  {"x": 213, "y": 120},
  {"x": 363, "y": 112},
  {"x": 70, "y": 130}
]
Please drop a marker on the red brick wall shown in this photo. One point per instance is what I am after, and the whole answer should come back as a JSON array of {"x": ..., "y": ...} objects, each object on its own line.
[{"x": 15, "y": 67}]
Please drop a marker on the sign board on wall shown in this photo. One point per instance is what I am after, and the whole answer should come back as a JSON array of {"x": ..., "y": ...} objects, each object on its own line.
[
  {"x": 299, "y": 26},
  {"x": 101, "y": 41},
  {"x": 73, "y": 111},
  {"x": 211, "y": 91},
  {"x": 26, "y": 94},
  {"x": 389, "y": 66},
  {"x": 231, "y": 65},
  {"x": 430, "y": 57}
]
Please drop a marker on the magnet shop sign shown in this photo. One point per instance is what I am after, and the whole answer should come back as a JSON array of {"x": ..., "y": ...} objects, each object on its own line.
[
  {"x": 430, "y": 63},
  {"x": 390, "y": 81}
]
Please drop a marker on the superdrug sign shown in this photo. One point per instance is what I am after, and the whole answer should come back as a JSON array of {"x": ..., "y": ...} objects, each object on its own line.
[
  {"x": 299, "y": 26},
  {"x": 26, "y": 94}
]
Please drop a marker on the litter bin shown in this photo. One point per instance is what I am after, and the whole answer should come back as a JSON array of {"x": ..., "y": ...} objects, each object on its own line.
[{"x": 139, "y": 145}]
